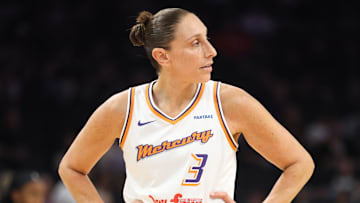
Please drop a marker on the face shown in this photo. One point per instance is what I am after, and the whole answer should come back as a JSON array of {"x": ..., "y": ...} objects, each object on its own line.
[
  {"x": 191, "y": 54},
  {"x": 32, "y": 192}
]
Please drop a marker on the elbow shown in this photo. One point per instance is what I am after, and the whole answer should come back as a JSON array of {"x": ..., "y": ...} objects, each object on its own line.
[
  {"x": 64, "y": 170},
  {"x": 308, "y": 165},
  {"x": 312, "y": 165},
  {"x": 61, "y": 169},
  {"x": 304, "y": 166},
  {"x": 67, "y": 171}
]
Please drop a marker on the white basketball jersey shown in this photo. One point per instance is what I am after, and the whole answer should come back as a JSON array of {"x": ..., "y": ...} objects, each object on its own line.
[{"x": 180, "y": 159}]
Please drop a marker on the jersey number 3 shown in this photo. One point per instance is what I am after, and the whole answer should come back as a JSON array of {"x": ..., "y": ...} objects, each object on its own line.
[{"x": 197, "y": 170}]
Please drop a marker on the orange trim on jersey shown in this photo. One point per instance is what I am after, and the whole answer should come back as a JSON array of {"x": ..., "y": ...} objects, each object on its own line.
[
  {"x": 184, "y": 114},
  {"x": 221, "y": 118},
  {"x": 189, "y": 184},
  {"x": 129, "y": 116},
  {"x": 197, "y": 159}
]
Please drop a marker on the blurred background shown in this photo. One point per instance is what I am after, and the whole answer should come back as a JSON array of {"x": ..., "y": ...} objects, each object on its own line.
[{"x": 59, "y": 60}]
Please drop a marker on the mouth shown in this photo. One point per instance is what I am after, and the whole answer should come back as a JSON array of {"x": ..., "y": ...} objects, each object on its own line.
[{"x": 207, "y": 67}]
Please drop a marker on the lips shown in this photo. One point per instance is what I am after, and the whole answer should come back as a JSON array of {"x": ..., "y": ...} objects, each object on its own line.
[{"x": 208, "y": 66}]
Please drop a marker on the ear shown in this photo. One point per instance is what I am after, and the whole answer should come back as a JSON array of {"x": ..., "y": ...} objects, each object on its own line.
[{"x": 160, "y": 55}]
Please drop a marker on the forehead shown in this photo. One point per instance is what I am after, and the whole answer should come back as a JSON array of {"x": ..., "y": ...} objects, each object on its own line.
[{"x": 189, "y": 26}]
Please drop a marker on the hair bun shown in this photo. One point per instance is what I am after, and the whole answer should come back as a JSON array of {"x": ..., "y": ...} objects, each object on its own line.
[
  {"x": 144, "y": 17},
  {"x": 137, "y": 33}
]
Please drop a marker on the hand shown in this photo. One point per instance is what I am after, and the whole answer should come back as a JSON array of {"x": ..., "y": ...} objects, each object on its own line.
[{"x": 222, "y": 195}]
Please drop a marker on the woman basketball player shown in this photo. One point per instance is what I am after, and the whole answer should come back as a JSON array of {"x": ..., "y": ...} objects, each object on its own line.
[{"x": 179, "y": 133}]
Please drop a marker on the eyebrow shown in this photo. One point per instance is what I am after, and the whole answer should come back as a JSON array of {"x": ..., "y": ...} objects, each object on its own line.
[{"x": 196, "y": 35}]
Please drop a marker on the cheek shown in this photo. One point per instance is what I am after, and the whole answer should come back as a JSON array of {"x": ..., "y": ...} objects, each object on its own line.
[{"x": 188, "y": 59}]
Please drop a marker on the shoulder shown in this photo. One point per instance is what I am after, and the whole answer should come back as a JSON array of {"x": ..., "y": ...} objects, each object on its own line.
[
  {"x": 232, "y": 96},
  {"x": 112, "y": 112},
  {"x": 238, "y": 106},
  {"x": 110, "y": 115},
  {"x": 116, "y": 104}
]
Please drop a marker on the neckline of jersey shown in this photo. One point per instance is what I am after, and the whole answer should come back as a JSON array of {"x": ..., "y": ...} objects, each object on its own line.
[{"x": 157, "y": 111}]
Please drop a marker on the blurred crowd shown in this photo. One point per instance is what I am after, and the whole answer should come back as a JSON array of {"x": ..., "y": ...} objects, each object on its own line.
[{"x": 60, "y": 60}]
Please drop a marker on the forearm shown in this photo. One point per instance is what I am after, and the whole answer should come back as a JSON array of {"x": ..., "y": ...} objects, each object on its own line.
[
  {"x": 79, "y": 185},
  {"x": 290, "y": 182}
]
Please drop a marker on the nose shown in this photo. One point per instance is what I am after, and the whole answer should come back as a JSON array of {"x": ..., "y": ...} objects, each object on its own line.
[{"x": 210, "y": 51}]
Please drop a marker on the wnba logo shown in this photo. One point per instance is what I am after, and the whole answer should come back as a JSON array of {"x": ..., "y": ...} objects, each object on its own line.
[{"x": 177, "y": 199}]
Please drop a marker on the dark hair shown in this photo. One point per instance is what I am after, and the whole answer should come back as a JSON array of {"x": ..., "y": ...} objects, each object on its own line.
[{"x": 156, "y": 31}]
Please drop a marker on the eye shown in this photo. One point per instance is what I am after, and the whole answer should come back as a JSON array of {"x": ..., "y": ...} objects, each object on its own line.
[{"x": 196, "y": 43}]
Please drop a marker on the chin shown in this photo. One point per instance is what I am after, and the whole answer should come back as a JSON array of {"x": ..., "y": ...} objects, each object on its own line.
[{"x": 205, "y": 78}]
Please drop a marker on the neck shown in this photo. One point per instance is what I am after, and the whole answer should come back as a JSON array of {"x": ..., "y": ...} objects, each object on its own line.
[{"x": 172, "y": 95}]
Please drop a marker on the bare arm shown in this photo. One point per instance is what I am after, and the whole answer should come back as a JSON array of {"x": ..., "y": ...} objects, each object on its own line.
[
  {"x": 92, "y": 142},
  {"x": 246, "y": 115}
]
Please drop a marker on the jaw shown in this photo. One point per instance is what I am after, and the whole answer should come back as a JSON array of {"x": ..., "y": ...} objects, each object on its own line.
[{"x": 187, "y": 75}]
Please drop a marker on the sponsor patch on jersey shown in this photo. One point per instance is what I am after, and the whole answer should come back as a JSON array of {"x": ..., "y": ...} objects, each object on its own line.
[
  {"x": 149, "y": 150},
  {"x": 209, "y": 116},
  {"x": 178, "y": 198}
]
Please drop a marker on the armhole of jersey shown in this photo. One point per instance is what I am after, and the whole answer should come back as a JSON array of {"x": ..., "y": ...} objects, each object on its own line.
[
  {"x": 129, "y": 111},
  {"x": 221, "y": 116}
]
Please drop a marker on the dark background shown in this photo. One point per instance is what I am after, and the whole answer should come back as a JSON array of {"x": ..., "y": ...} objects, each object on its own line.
[{"x": 59, "y": 60}]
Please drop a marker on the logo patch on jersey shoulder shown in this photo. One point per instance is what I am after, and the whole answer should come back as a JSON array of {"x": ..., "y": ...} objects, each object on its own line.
[
  {"x": 206, "y": 116},
  {"x": 149, "y": 150}
]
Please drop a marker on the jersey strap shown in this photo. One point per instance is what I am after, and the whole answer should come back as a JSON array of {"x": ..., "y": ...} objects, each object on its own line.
[
  {"x": 221, "y": 117},
  {"x": 129, "y": 112}
]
